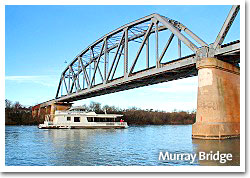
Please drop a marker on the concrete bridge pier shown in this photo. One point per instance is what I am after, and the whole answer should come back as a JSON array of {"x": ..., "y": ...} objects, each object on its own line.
[
  {"x": 39, "y": 111},
  {"x": 218, "y": 106}
]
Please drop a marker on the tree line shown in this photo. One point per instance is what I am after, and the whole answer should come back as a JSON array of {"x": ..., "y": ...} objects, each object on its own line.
[{"x": 17, "y": 114}]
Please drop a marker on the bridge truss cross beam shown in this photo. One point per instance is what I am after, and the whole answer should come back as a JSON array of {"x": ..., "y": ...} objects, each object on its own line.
[{"x": 96, "y": 56}]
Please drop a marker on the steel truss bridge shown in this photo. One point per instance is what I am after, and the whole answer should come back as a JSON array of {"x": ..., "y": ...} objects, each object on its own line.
[{"x": 105, "y": 66}]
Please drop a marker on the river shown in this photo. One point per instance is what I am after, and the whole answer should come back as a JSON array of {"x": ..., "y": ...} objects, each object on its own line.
[{"x": 135, "y": 146}]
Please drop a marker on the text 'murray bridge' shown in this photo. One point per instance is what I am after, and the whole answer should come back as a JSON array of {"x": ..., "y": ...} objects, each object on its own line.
[{"x": 131, "y": 57}]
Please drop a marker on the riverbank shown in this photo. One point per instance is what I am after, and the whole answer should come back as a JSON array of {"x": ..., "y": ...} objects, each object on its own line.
[{"x": 17, "y": 114}]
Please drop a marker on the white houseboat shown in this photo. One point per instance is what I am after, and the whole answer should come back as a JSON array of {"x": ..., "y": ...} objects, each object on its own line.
[{"x": 75, "y": 118}]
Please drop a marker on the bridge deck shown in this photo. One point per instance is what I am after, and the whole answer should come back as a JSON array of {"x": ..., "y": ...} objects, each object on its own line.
[{"x": 173, "y": 70}]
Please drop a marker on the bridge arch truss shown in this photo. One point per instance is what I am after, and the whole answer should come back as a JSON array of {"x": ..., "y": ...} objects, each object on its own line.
[{"x": 93, "y": 71}]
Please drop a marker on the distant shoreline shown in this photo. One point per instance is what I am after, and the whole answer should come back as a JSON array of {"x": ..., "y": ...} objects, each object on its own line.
[{"x": 17, "y": 114}]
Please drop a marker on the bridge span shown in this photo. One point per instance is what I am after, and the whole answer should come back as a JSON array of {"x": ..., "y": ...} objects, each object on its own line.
[{"x": 105, "y": 66}]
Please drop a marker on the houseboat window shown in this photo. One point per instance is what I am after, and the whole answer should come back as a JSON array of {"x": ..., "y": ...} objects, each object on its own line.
[
  {"x": 102, "y": 119},
  {"x": 90, "y": 119},
  {"x": 98, "y": 119},
  {"x": 110, "y": 120},
  {"x": 68, "y": 118},
  {"x": 76, "y": 119}
]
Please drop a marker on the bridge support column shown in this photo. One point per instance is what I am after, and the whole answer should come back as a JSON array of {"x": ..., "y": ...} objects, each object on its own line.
[
  {"x": 218, "y": 106},
  {"x": 39, "y": 111}
]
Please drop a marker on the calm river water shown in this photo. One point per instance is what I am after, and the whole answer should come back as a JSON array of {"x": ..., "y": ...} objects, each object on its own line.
[{"x": 137, "y": 145}]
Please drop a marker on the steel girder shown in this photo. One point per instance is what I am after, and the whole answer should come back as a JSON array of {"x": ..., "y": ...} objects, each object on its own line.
[
  {"x": 94, "y": 59},
  {"x": 226, "y": 26},
  {"x": 118, "y": 40}
]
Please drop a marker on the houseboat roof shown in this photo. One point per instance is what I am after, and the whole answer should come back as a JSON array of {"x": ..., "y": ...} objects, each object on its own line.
[{"x": 77, "y": 111}]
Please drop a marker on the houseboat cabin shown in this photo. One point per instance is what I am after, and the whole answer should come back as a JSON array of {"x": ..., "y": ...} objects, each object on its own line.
[{"x": 76, "y": 118}]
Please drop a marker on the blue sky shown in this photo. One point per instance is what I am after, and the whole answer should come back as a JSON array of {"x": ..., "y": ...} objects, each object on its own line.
[{"x": 38, "y": 39}]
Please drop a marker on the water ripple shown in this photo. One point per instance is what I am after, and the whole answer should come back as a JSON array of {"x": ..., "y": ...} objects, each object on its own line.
[{"x": 135, "y": 146}]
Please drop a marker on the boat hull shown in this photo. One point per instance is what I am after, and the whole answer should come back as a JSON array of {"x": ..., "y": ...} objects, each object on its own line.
[{"x": 83, "y": 127}]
